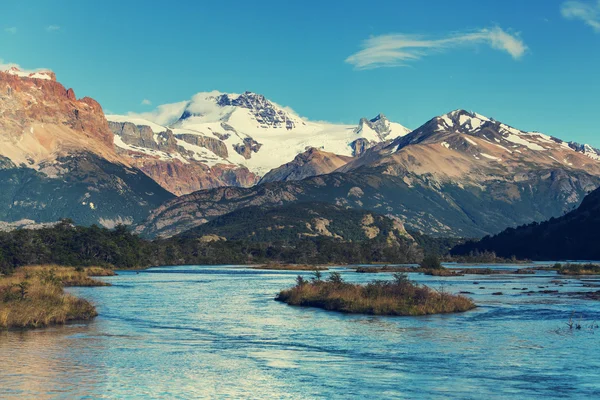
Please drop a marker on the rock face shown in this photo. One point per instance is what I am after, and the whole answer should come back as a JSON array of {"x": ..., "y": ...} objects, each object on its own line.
[
  {"x": 57, "y": 158},
  {"x": 264, "y": 111},
  {"x": 181, "y": 163},
  {"x": 247, "y": 147},
  {"x": 41, "y": 120},
  {"x": 312, "y": 162}
]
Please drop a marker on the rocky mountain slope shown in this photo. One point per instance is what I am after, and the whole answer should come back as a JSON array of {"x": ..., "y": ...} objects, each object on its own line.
[
  {"x": 57, "y": 158},
  {"x": 312, "y": 162},
  {"x": 573, "y": 236},
  {"x": 460, "y": 174},
  {"x": 293, "y": 222},
  {"x": 219, "y": 139}
]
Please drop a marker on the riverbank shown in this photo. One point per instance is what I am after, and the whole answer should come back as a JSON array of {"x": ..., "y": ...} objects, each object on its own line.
[
  {"x": 444, "y": 271},
  {"x": 34, "y": 297},
  {"x": 289, "y": 267},
  {"x": 400, "y": 297}
]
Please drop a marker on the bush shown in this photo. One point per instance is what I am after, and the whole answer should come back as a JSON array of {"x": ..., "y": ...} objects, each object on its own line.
[{"x": 431, "y": 262}]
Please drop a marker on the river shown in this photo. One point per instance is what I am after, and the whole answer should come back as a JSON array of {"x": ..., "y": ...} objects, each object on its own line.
[{"x": 215, "y": 332}]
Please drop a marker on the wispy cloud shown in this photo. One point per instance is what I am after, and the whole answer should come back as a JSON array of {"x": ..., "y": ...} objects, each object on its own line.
[
  {"x": 588, "y": 12},
  {"x": 12, "y": 30},
  {"x": 397, "y": 50},
  {"x": 146, "y": 102},
  {"x": 53, "y": 28}
]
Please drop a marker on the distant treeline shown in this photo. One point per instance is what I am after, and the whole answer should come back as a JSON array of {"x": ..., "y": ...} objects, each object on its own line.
[{"x": 66, "y": 244}]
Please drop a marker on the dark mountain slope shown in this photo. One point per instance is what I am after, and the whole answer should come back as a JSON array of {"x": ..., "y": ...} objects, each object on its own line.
[
  {"x": 575, "y": 236},
  {"x": 296, "y": 221},
  {"x": 88, "y": 190},
  {"x": 424, "y": 204}
]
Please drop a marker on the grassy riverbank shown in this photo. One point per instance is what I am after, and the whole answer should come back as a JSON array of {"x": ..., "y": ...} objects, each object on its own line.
[
  {"x": 33, "y": 296},
  {"x": 397, "y": 297}
]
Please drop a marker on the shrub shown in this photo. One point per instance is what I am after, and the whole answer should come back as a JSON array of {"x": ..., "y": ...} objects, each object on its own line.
[{"x": 431, "y": 262}]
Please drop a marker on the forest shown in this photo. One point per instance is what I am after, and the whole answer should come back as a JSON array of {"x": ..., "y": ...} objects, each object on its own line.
[{"x": 70, "y": 245}]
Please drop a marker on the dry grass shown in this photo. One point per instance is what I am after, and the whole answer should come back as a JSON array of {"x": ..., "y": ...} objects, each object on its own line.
[
  {"x": 399, "y": 297},
  {"x": 33, "y": 296},
  {"x": 577, "y": 269},
  {"x": 490, "y": 271}
]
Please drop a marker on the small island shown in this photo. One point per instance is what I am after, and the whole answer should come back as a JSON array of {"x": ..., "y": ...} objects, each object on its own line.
[
  {"x": 399, "y": 297},
  {"x": 33, "y": 296},
  {"x": 577, "y": 269}
]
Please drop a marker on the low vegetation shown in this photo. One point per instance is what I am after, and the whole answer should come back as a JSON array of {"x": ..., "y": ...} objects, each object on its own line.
[
  {"x": 577, "y": 269},
  {"x": 397, "y": 297},
  {"x": 483, "y": 257},
  {"x": 386, "y": 269},
  {"x": 33, "y": 296},
  {"x": 490, "y": 271},
  {"x": 443, "y": 272},
  {"x": 289, "y": 267}
]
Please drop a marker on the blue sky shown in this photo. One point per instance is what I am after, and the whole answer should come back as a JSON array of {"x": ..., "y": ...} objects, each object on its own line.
[{"x": 533, "y": 64}]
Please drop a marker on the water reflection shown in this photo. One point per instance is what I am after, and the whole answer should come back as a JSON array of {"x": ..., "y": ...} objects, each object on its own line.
[{"x": 205, "y": 332}]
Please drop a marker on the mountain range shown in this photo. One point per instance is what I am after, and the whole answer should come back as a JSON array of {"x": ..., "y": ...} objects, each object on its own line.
[{"x": 175, "y": 169}]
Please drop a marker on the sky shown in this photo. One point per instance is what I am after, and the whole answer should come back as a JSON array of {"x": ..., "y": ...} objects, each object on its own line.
[{"x": 532, "y": 64}]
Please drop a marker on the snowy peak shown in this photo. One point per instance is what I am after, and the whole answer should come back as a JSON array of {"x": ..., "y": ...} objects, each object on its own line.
[
  {"x": 586, "y": 150},
  {"x": 381, "y": 128},
  {"x": 265, "y": 112},
  {"x": 462, "y": 120},
  {"x": 254, "y": 109},
  {"x": 41, "y": 74}
]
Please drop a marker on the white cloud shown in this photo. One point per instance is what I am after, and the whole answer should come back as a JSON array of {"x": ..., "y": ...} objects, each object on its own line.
[
  {"x": 163, "y": 115},
  {"x": 53, "y": 28},
  {"x": 397, "y": 50},
  {"x": 146, "y": 102},
  {"x": 588, "y": 12},
  {"x": 12, "y": 30}
]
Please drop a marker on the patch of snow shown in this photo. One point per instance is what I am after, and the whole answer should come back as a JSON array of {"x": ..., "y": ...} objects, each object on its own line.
[
  {"x": 519, "y": 140},
  {"x": 471, "y": 141},
  {"x": 445, "y": 144},
  {"x": 491, "y": 157}
]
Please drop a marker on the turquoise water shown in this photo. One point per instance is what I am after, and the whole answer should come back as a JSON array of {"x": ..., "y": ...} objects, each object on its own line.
[{"x": 215, "y": 332}]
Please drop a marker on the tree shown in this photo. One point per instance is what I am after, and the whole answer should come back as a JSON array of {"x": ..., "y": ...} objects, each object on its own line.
[{"x": 336, "y": 278}]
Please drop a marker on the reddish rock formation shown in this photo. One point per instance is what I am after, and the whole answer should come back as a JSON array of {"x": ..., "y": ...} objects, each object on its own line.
[{"x": 41, "y": 120}]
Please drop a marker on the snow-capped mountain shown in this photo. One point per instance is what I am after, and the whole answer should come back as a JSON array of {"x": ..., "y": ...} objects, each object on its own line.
[
  {"x": 467, "y": 144},
  {"x": 242, "y": 131},
  {"x": 460, "y": 174}
]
